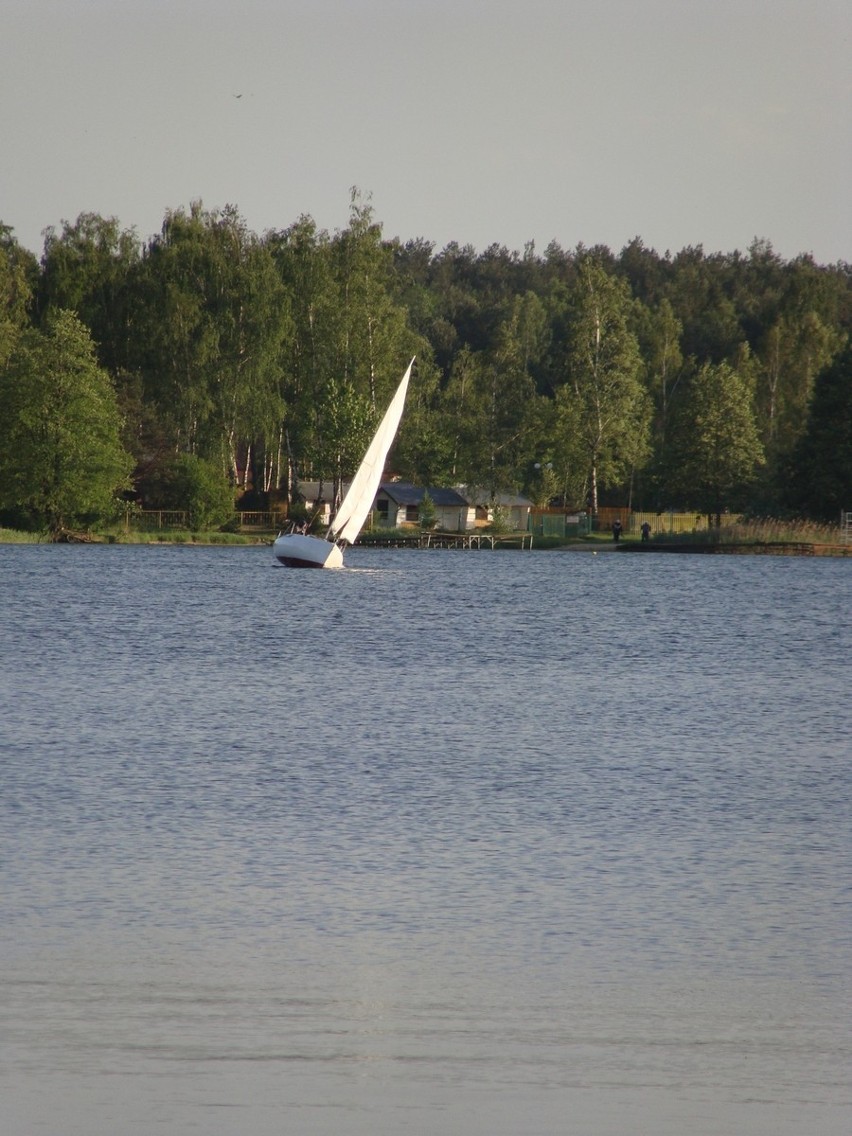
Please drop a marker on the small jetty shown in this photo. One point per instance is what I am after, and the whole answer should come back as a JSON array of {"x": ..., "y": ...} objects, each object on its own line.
[
  {"x": 469, "y": 541},
  {"x": 71, "y": 536}
]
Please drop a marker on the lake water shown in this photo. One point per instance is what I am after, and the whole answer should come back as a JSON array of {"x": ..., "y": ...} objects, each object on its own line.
[{"x": 444, "y": 844}]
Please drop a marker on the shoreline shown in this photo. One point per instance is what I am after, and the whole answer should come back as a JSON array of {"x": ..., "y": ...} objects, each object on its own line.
[
  {"x": 504, "y": 542},
  {"x": 745, "y": 548}
]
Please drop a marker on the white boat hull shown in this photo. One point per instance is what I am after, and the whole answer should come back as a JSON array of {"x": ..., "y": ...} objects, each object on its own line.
[{"x": 297, "y": 550}]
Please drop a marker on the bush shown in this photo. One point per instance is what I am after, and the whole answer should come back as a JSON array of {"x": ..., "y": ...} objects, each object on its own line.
[{"x": 193, "y": 484}]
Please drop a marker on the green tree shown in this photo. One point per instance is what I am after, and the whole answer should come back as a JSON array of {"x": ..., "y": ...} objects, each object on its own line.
[
  {"x": 16, "y": 269},
  {"x": 428, "y": 512},
  {"x": 90, "y": 268},
  {"x": 179, "y": 340},
  {"x": 794, "y": 350},
  {"x": 252, "y": 314},
  {"x": 697, "y": 290},
  {"x": 659, "y": 331},
  {"x": 512, "y": 403},
  {"x": 348, "y": 422},
  {"x": 717, "y": 449},
  {"x": 196, "y": 485},
  {"x": 645, "y": 271},
  {"x": 422, "y": 452},
  {"x": 372, "y": 327},
  {"x": 603, "y": 405},
  {"x": 61, "y": 457},
  {"x": 488, "y": 415},
  {"x": 216, "y": 319},
  {"x": 820, "y": 477},
  {"x": 349, "y": 344},
  {"x": 302, "y": 257},
  {"x": 566, "y": 450},
  {"x": 373, "y": 340},
  {"x": 464, "y": 417}
]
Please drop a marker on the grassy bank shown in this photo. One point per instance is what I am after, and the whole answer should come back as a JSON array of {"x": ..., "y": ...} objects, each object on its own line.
[
  {"x": 756, "y": 534},
  {"x": 16, "y": 536},
  {"x": 185, "y": 537},
  {"x": 769, "y": 531},
  {"x": 759, "y": 535}
]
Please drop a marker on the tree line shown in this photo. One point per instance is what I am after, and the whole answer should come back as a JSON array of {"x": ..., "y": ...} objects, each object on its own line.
[{"x": 209, "y": 364}]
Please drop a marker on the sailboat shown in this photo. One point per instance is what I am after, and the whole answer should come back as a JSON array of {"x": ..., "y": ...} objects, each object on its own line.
[{"x": 299, "y": 550}]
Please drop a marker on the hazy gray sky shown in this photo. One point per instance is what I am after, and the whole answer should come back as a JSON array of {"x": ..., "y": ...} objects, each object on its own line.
[{"x": 479, "y": 121}]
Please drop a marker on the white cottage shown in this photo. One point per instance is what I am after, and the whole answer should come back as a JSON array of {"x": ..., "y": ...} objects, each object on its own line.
[
  {"x": 398, "y": 503},
  {"x": 317, "y": 497},
  {"x": 514, "y": 508}
]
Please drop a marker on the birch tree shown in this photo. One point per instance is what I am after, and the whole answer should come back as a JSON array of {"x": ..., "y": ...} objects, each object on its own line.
[
  {"x": 217, "y": 317},
  {"x": 717, "y": 450},
  {"x": 603, "y": 404}
]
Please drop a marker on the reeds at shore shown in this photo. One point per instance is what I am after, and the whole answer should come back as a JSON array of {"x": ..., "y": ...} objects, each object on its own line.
[{"x": 770, "y": 530}]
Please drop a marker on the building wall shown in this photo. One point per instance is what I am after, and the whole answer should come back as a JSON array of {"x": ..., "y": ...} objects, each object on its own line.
[
  {"x": 448, "y": 518},
  {"x": 453, "y": 518}
]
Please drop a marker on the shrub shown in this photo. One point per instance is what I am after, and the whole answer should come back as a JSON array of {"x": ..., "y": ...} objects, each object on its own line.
[{"x": 193, "y": 484}]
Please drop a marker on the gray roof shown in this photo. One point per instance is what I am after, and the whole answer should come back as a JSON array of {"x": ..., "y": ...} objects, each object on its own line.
[
  {"x": 309, "y": 490},
  {"x": 478, "y": 495},
  {"x": 404, "y": 493}
]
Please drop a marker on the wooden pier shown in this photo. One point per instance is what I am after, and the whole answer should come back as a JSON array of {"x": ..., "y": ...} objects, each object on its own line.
[{"x": 472, "y": 541}]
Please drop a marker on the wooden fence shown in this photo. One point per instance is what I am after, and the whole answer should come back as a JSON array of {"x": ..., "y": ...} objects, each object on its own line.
[
  {"x": 154, "y": 520},
  {"x": 542, "y": 522},
  {"x": 556, "y": 522},
  {"x": 671, "y": 522}
]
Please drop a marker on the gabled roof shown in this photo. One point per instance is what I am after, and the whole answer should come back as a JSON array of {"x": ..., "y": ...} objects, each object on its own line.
[
  {"x": 309, "y": 490},
  {"x": 478, "y": 495},
  {"x": 404, "y": 493}
]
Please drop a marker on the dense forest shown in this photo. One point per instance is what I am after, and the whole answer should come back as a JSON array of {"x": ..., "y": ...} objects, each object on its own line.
[{"x": 214, "y": 365}]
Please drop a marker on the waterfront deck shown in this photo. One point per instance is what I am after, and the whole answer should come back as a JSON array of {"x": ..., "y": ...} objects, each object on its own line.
[{"x": 472, "y": 541}]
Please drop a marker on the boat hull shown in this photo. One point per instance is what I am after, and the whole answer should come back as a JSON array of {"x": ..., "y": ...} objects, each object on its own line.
[{"x": 297, "y": 550}]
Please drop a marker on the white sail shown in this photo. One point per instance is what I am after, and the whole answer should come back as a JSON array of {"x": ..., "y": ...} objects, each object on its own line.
[{"x": 350, "y": 517}]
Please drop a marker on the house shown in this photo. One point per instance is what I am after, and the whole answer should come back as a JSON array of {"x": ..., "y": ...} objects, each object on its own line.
[
  {"x": 398, "y": 504},
  {"x": 512, "y": 507},
  {"x": 317, "y": 498}
]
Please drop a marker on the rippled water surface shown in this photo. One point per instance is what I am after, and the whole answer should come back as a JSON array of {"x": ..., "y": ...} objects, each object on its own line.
[{"x": 464, "y": 844}]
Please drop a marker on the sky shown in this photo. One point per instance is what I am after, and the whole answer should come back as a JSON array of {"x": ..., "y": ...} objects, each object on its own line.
[{"x": 681, "y": 122}]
